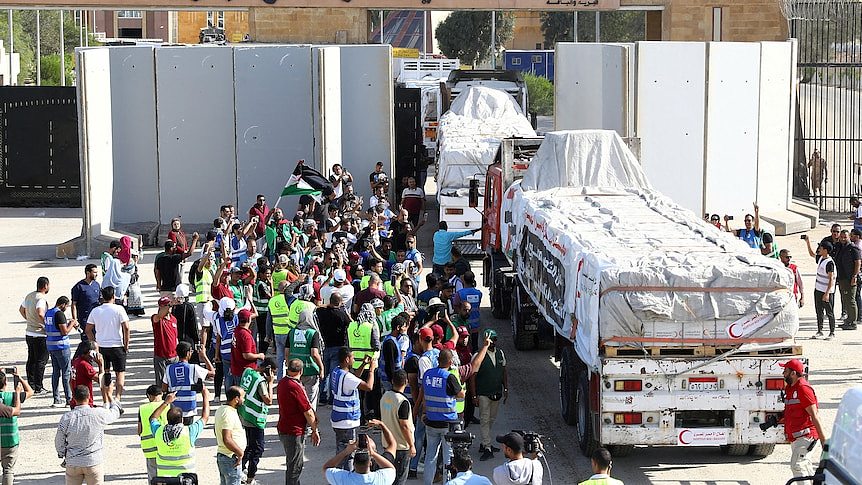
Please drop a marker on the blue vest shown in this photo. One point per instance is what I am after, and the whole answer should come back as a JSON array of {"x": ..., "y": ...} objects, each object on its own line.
[
  {"x": 180, "y": 377},
  {"x": 432, "y": 354},
  {"x": 345, "y": 407},
  {"x": 438, "y": 405},
  {"x": 399, "y": 362},
  {"x": 226, "y": 331},
  {"x": 56, "y": 341},
  {"x": 474, "y": 297},
  {"x": 750, "y": 237}
]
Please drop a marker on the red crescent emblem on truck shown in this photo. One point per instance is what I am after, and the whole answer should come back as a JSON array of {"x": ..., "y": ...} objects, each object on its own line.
[
  {"x": 685, "y": 436},
  {"x": 731, "y": 330}
]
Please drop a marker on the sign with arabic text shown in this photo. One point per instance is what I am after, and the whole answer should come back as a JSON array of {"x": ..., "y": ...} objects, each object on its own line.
[{"x": 544, "y": 276}]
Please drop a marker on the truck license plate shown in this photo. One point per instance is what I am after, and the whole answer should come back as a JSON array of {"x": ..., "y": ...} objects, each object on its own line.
[{"x": 703, "y": 384}]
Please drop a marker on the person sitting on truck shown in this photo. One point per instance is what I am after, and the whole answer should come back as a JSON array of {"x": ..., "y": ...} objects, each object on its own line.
[
  {"x": 443, "y": 240},
  {"x": 601, "y": 463}
]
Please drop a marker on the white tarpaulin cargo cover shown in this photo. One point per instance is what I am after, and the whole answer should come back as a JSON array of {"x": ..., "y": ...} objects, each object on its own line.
[
  {"x": 610, "y": 261},
  {"x": 469, "y": 134}
]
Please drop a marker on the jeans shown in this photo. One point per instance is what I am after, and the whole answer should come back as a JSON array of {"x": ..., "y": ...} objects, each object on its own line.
[
  {"x": 37, "y": 359},
  {"x": 262, "y": 332},
  {"x": 229, "y": 379},
  {"x": 435, "y": 439},
  {"x": 152, "y": 469},
  {"x": 229, "y": 473},
  {"x": 418, "y": 443},
  {"x": 61, "y": 366},
  {"x": 8, "y": 457},
  {"x": 253, "y": 449},
  {"x": 342, "y": 438},
  {"x": 824, "y": 307},
  {"x": 848, "y": 300},
  {"x": 402, "y": 466},
  {"x": 294, "y": 446},
  {"x": 858, "y": 300},
  {"x": 330, "y": 361},
  {"x": 280, "y": 343}
]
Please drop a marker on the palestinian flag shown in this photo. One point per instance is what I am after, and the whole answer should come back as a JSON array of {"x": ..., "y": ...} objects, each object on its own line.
[{"x": 306, "y": 180}]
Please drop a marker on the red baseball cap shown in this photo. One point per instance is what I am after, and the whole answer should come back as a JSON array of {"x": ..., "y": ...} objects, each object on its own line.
[
  {"x": 794, "y": 365},
  {"x": 244, "y": 315},
  {"x": 165, "y": 301},
  {"x": 426, "y": 334},
  {"x": 438, "y": 330},
  {"x": 462, "y": 330}
]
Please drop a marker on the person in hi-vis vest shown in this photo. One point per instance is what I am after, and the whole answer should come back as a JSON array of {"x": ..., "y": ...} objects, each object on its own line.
[
  {"x": 175, "y": 442},
  {"x": 148, "y": 440}
]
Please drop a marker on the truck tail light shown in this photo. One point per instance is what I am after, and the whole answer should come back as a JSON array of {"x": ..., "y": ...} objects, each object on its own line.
[
  {"x": 628, "y": 418},
  {"x": 628, "y": 385},
  {"x": 774, "y": 384},
  {"x": 455, "y": 212}
]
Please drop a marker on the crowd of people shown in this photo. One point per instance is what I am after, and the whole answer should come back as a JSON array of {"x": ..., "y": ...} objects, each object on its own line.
[{"x": 321, "y": 309}]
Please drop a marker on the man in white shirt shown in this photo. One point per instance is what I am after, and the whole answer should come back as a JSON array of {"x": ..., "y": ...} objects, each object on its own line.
[
  {"x": 518, "y": 470},
  {"x": 339, "y": 285},
  {"x": 108, "y": 326}
]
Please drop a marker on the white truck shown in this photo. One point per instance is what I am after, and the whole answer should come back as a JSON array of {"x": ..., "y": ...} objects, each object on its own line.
[
  {"x": 427, "y": 75},
  {"x": 667, "y": 331},
  {"x": 468, "y": 137}
]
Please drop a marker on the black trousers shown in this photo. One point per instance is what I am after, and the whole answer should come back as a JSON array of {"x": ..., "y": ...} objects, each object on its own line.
[
  {"x": 37, "y": 359},
  {"x": 824, "y": 307},
  {"x": 253, "y": 449}
]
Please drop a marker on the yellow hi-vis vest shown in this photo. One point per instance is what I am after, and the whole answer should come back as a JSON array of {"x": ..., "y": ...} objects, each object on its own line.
[
  {"x": 176, "y": 457},
  {"x": 148, "y": 441},
  {"x": 601, "y": 481},
  {"x": 359, "y": 341},
  {"x": 459, "y": 402},
  {"x": 297, "y": 307},
  {"x": 279, "y": 312},
  {"x": 203, "y": 286}
]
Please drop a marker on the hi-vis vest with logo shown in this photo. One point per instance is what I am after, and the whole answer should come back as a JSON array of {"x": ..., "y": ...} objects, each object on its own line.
[
  {"x": 278, "y": 312},
  {"x": 176, "y": 457}
]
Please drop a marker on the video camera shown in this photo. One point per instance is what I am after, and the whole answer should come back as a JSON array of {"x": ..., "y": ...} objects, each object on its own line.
[
  {"x": 532, "y": 440},
  {"x": 459, "y": 438},
  {"x": 771, "y": 422},
  {"x": 182, "y": 479}
]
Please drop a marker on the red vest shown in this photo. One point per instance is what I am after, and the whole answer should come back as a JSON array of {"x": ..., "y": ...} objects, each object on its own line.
[{"x": 797, "y": 422}]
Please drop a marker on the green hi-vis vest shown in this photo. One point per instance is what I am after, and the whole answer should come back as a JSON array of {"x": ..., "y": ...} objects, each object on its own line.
[
  {"x": 278, "y": 311},
  {"x": 489, "y": 378},
  {"x": 8, "y": 426},
  {"x": 300, "y": 342},
  {"x": 148, "y": 440},
  {"x": 175, "y": 457},
  {"x": 253, "y": 409},
  {"x": 359, "y": 341}
]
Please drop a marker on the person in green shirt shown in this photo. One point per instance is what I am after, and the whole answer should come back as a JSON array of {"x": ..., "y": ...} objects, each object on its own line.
[
  {"x": 392, "y": 307},
  {"x": 258, "y": 387},
  {"x": 10, "y": 409}
]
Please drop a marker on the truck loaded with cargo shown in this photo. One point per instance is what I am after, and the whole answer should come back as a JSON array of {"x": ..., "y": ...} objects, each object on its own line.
[
  {"x": 468, "y": 137},
  {"x": 667, "y": 331}
]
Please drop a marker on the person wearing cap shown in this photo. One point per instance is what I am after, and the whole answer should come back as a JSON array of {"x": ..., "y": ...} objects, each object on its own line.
[
  {"x": 362, "y": 471},
  {"x": 600, "y": 463},
  {"x": 824, "y": 289},
  {"x": 164, "y": 338},
  {"x": 186, "y": 379},
  {"x": 304, "y": 343},
  {"x": 244, "y": 354},
  {"x": 802, "y": 425},
  {"x": 441, "y": 389},
  {"x": 340, "y": 285},
  {"x": 488, "y": 386},
  {"x": 427, "y": 359},
  {"x": 518, "y": 470}
]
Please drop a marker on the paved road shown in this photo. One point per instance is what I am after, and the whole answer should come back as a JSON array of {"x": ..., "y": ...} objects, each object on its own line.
[{"x": 28, "y": 236}]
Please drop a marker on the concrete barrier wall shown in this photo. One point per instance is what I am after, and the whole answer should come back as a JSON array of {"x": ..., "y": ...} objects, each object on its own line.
[{"x": 777, "y": 101}]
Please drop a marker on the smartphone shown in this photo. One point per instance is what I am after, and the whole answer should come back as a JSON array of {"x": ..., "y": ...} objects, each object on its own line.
[
  {"x": 729, "y": 218},
  {"x": 362, "y": 441},
  {"x": 803, "y": 237},
  {"x": 9, "y": 371}
]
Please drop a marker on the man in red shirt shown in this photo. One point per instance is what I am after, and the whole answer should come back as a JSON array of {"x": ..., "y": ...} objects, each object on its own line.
[
  {"x": 801, "y": 422},
  {"x": 294, "y": 415},
  {"x": 164, "y": 338},
  {"x": 261, "y": 211},
  {"x": 244, "y": 353}
]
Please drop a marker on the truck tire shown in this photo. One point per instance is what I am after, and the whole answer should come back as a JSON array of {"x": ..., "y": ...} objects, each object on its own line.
[
  {"x": 621, "y": 450},
  {"x": 762, "y": 450},
  {"x": 524, "y": 340},
  {"x": 569, "y": 367},
  {"x": 497, "y": 307},
  {"x": 735, "y": 450},
  {"x": 584, "y": 428}
]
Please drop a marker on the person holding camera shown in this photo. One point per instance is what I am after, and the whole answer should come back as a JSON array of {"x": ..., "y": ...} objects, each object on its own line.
[
  {"x": 488, "y": 386},
  {"x": 518, "y": 470},
  {"x": 80, "y": 435},
  {"x": 801, "y": 420},
  {"x": 257, "y": 385},
  {"x": 463, "y": 464},
  {"x": 186, "y": 380},
  {"x": 295, "y": 415},
  {"x": 601, "y": 463},
  {"x": 362, "y": 462}
]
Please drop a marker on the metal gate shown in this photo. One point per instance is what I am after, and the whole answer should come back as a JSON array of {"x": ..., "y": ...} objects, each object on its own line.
[
  {"x": 828, "y": 154},
  {"x": 39, "y": 138},
  {"x": 409, "y": 149}
]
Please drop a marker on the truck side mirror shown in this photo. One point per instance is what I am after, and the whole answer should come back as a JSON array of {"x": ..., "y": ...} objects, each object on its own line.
[{"x": 474, "y": 193}]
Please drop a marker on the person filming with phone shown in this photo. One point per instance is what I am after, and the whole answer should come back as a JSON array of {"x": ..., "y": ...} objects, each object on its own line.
[{"x": 364, "y": 455}]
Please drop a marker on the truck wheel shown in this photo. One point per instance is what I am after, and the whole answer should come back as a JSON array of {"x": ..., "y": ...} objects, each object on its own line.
[
  {"x": 735, "y": 450},
  {"x": 621, "y": 450},
  {"x": 523, "y": 340},
  {"x": 762, "y": 450},
  {"x": 568, "y": 386},
  {"x": 584, "y": 428}
]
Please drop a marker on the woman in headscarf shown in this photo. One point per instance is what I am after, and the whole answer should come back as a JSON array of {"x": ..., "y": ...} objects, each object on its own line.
[
  {"x": 129, "y": 260},
  {"x": 115, "y": 274}
]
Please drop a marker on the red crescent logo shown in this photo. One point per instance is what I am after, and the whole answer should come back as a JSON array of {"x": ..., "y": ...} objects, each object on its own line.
[
  {"x": 730, "y": 331},
  {"x": 686, "y": 433}
]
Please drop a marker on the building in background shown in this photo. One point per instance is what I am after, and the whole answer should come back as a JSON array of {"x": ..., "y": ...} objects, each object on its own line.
[
  {"x": 132, "y": 25},
  {"x": 9, "y": 77},
  {"x": 189, "y": 24}
]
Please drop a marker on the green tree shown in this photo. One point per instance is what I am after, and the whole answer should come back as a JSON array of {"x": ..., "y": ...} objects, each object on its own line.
[
  {"x": 466, "y": 34},
  {"x": 615, "y": 26},
  {"x": 541, "y": 94},
  {"x": 51, "y": 70}
]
